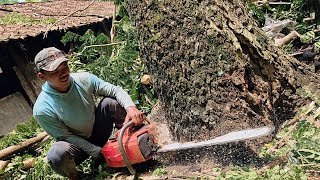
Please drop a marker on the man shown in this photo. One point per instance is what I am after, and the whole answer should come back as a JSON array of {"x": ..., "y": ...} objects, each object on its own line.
[{"x": 66, "y": 110}]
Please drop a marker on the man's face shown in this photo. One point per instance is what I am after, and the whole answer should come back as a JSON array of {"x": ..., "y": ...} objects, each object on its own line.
[{"x": 59, "y": 79}]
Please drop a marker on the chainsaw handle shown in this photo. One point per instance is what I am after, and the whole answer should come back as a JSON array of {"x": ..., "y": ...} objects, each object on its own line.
[{"x": 121, "y": 148}]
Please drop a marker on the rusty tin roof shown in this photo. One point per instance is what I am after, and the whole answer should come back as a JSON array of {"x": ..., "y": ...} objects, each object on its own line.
[{"x": 43, "y": 15}]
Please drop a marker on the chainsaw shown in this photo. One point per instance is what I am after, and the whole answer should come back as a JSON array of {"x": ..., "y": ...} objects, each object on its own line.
[{"x": 133, "y": 145}]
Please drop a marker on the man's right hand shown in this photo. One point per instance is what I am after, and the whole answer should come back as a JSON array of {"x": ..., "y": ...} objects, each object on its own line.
[{"x": 135, "y": 115}]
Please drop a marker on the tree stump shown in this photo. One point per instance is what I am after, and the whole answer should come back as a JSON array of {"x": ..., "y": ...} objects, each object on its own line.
[{"x": 214, "y": 69}]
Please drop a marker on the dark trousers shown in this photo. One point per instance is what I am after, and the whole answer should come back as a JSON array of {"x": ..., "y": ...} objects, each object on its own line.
[{"x": 63, "y": 156}]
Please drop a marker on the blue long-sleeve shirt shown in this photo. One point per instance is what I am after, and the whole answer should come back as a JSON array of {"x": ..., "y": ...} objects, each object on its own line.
[{"x": 70, "y": 116}]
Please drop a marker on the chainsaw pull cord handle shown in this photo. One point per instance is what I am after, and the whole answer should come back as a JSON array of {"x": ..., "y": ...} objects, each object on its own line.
[{"x": 121, "y": 148}]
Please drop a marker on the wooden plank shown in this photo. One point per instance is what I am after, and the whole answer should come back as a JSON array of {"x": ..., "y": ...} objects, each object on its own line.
[
  {"x": 26, "y": 74},
  {"x": 14, "y": 109},
  {"x": 26, "y": 86}
]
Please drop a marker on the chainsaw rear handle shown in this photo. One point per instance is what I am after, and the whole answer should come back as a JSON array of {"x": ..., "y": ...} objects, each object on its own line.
[{"x": 121, "y": 148}]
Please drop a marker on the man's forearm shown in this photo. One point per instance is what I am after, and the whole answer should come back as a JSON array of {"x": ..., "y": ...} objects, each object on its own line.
[{"x": 85, "y": 145}]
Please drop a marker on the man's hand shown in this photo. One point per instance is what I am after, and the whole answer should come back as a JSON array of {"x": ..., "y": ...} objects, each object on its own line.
[{"x": 135, "y": 115}]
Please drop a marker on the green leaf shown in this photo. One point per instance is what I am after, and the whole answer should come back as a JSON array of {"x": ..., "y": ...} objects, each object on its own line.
[
  {"x": 307, "y": 37},
  {"x": 317, "y": 46}
]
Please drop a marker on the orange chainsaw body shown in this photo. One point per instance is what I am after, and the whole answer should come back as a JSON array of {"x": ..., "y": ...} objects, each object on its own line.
[{"x": 138, "y": 143}]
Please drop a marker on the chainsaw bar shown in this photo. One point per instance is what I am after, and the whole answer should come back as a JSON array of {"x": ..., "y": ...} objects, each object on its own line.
[{"x": 234, "y": 136}]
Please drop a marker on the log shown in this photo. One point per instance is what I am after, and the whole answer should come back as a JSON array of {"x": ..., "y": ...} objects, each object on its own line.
[
  {"x": 12, "y": 149},
  {"x": 26, "y": 164},
  {"x": 29, "y": 163},
  {"x": 3, "y": 164},
  {"x": 287, "y": 38}
]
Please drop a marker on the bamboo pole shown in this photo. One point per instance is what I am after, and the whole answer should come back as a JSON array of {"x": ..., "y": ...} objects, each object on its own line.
[{"x": 12, "y": 149}]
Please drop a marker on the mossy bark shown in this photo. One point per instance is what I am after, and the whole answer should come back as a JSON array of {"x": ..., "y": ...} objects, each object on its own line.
[{"x": 215, "y": 71}]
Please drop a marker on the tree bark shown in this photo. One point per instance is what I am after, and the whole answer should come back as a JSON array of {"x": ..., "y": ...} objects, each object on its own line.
[{"x": 215, "y": 70}]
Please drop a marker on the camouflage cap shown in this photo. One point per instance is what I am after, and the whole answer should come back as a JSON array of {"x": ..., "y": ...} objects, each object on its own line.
[{"x": 49, "y": 59}]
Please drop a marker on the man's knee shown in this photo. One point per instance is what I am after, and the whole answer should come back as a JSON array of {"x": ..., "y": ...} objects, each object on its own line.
[
  {"x": 61, "y": 158},
  {"x": 110, "y": 103}
]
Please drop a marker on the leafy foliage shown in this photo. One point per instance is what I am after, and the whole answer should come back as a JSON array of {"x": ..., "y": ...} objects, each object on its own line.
[
  {"x": 301, "y": 148},
  {"x": 17, "y": 18},
  {"x": 275, "y": 173},
  {"x": 24, "y": 131},
  {"x": 159, "y": 172},
  {"x": 118, "y": 64},
  {"x": 42, "y": 169},
  {"x": 257, "y": 12},
  {"x": 297, "y": 11}
]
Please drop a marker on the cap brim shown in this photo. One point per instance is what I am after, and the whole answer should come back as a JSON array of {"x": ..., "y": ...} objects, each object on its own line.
[{"x": 54, "y": 65}]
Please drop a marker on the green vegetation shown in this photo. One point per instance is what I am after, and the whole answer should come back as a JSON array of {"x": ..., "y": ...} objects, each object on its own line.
[
  {"x": 42, "y": 169},
  {"x": 117, "y": 63},
  {"x": 295, "y": 151},
  {"x": 17, "y": 18},
  {"x": 24, "y": 131},
  {"x": 294, "y": 154},
  {"x": 296, "y": 11},
  {"x": 159, "y": 172}
]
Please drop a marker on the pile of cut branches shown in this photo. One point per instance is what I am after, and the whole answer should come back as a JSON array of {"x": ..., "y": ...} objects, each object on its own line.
[{"x": 294, "y": 25}]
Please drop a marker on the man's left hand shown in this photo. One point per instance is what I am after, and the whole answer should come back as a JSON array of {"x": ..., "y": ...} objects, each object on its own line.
[{"x": 135, "y": 115}]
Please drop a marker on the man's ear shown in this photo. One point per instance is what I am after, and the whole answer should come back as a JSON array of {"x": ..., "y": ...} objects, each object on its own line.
[{"x": 41, "y": 76}]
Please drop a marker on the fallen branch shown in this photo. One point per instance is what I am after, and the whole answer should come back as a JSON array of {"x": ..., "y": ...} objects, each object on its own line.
[
  {"x": 113, "y": 30},
  {"x": 280, "y": 3},
  {"x": 287, "y": 38},
  {"x": 29, "y": 163},
  {"x": 316, "y": 30},
  {"x": 12, "y": 149},
  {"x": 26, "y": 164},
  {"x": 42, "y": 142},
  {"x": 313, "y": 171},
  {"x": 264, "y": 2},
  {"x": 3, "y": 164},
  {"x": 301, "y": 51},
  {"x": 308, "y": 19},
  {"x": 98, "y": 45},
  {"x": 55, "y": 23},
  {"x": 308, "y": 165}
]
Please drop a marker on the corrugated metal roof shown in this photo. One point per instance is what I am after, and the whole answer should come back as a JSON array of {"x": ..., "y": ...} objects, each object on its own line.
[{"x": 55, "y": 10}]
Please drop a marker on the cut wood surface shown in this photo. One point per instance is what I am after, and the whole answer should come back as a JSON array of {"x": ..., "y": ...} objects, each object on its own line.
[
  {"x": 287, "y": 38},
  {"x": 29, "y": 163},
  {"x": 12, "y": 149},
  {"x": 3, "y": 164}
]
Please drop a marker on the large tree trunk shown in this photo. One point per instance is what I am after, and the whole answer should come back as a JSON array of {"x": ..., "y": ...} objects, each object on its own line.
[{"x": 215, "y": 71}]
